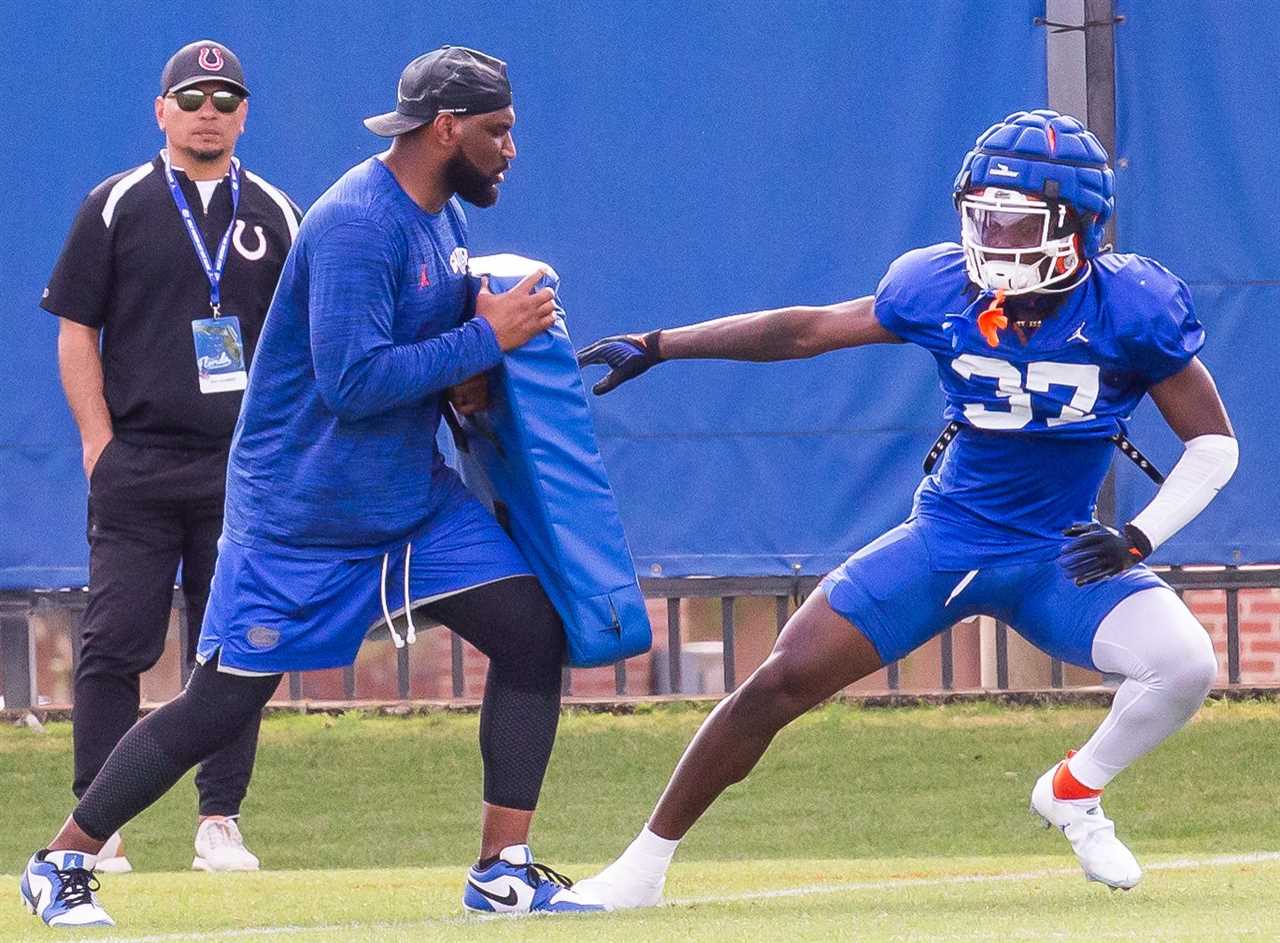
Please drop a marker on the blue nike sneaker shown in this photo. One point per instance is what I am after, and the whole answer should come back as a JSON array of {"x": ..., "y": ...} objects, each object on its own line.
[
  {"x": 515, "y": 884},
  {"x": 58, "y": 887}
]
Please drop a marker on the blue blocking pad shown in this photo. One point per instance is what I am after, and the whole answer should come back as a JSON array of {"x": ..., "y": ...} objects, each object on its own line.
[{"x": 532, "y": 456}]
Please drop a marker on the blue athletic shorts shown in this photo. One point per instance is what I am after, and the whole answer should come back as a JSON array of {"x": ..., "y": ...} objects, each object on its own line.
[
  {"x": 895, "y": 597},
  {"x": 276, "y": 611}
]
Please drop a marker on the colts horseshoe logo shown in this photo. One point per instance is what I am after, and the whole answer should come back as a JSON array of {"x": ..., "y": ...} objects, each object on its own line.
[
  {"x": 211, "y": 58},
  {"x": 237, "y": 240}
]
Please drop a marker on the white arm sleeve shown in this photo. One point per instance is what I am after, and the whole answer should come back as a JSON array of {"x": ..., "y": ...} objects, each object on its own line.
[{"x": 1207, "y": 463}]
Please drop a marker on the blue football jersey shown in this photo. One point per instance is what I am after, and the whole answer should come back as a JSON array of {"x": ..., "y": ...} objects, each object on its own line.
[{"x": 1036, "y": 417}]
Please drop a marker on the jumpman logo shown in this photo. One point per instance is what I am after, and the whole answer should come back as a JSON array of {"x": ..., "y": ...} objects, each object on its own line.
[{"x": 1079, "y": 335}]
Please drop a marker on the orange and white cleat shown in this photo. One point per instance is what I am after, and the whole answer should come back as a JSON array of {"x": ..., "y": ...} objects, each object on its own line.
[{"x": 1103, "y": 857}]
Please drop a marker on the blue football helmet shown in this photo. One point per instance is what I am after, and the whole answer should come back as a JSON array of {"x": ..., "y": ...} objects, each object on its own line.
[{"x": 1034, "y": 194}]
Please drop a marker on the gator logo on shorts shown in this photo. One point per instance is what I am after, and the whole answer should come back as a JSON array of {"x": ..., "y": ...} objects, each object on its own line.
[{"x": 262, "y": 637}]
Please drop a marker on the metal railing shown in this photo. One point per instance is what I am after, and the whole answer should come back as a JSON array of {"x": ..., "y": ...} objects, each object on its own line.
[{"x": 18, "y": 667}]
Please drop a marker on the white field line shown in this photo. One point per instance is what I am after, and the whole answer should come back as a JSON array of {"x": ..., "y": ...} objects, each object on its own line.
[
  {"x": 1179, "y": 864},
  {"x": 1165, "y": 934},
  {"x": 249, "y": 933}
]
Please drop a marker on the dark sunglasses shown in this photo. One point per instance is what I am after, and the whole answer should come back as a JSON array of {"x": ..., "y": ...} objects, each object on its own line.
[{"x": 190, "y": 99}]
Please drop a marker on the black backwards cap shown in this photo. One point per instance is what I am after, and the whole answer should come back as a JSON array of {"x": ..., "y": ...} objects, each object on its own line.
[
  {"x": 449, "y": 80},
  {"x": 202, "y": 61}
]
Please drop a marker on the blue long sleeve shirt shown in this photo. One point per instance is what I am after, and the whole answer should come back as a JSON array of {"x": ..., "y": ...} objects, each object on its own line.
[{"x": 334, "y": 454}]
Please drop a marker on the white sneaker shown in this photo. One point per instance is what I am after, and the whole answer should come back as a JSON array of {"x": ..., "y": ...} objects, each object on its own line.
[
  {"x": 621, "y": 886},
  {"x": 58, "y": 887},
  {"x": 220, "y": 847},
  {"x": 111, "y": 859},
  {"x": 1092, "y": 835}
]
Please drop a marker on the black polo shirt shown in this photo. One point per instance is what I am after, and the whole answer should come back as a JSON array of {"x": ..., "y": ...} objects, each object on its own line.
[{"x": 129, "y": 268}]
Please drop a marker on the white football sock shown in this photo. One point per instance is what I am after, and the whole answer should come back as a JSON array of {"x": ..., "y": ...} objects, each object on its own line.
[
  {"x": 649, "y": 853},
  {"x": 1167, "y": 659}
]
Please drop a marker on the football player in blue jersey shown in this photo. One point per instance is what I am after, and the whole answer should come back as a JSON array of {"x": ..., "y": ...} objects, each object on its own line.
[
  {"x": 1045, "y": 342},
  {"x": 340, "y": 510}
]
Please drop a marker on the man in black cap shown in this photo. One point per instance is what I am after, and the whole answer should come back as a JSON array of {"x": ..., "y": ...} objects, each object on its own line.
[
  {"x": 160, "y": 291},
  {"x": 340, "y": 513},
  {"x": 471, "y": 155}
]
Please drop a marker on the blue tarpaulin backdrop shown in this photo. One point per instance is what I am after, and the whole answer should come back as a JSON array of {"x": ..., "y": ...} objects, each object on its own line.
[
  {"x": 1198, "y": 99},
  {"x": 676, "y": 164}
]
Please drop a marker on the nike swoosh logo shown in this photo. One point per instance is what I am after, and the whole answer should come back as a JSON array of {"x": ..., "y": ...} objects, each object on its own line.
[{"x": 510, "y": 900}]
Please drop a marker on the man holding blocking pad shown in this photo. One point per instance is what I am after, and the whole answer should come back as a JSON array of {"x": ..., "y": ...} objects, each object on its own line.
[{"x": 340, "y": 511}]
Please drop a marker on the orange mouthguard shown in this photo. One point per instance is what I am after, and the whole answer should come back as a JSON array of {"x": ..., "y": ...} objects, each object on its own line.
[{"x": 991, "y": 321}]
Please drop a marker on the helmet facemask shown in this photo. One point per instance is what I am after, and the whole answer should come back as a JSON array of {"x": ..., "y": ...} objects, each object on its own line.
[{"x": 1017, "y": 242}]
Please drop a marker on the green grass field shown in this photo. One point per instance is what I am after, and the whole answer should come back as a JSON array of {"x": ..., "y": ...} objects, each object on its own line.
[{"x": 876, "y": 825}]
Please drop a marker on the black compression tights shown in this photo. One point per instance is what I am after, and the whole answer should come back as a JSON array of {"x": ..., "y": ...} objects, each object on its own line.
[
  {"x": 158, "y": 750},
  {"x": 515, "y": 625},
  {"x": 511, "y": 621}
]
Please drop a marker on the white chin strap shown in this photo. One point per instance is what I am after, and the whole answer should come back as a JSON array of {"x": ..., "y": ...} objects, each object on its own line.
[
  {"x": 1013, "y": 278},
  {"x": 1025, "y": 271}
]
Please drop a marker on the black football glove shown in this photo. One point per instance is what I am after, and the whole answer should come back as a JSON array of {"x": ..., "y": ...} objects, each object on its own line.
[
  {"x": 1096, "y": 551},
  {"x": 628, "y": 354}
]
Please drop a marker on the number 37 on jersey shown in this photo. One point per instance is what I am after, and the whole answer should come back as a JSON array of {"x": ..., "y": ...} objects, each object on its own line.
[{"x": 1016, "y": 386}]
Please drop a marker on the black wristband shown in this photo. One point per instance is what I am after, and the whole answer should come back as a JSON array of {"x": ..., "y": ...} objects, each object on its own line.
[{"x": 1138, "y": 540}]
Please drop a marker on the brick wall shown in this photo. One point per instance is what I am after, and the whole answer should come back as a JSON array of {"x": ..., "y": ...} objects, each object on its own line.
[
  {"x": 430, "y": 659},
  {"x": 1259, "y": 631}
]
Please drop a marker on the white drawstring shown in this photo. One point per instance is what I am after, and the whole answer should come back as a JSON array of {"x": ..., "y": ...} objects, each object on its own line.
[
  {"x": 408, "y": 606},
  {"x": 386, "y": 612},
  {"x": 408, "y": 600}
]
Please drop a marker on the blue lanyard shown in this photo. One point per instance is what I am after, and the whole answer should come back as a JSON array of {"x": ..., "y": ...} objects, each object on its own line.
[{"x": 212, "y": 268}]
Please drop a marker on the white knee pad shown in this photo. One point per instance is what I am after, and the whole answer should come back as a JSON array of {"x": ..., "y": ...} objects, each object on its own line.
[
  {"x": 1167, "y": 659},
  {"x": 1153, "y": 638}
]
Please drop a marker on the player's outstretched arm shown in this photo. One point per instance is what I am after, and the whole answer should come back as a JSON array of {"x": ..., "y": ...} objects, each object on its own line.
[
  {"x": 1190, "y": 404},
  {"x": 760, "y": 336}
]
